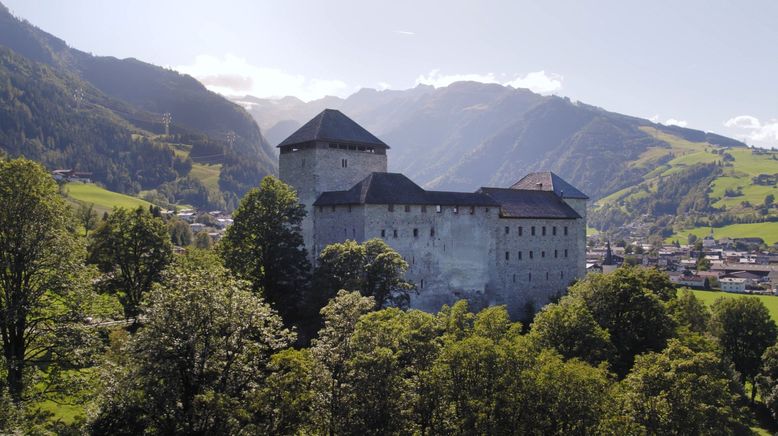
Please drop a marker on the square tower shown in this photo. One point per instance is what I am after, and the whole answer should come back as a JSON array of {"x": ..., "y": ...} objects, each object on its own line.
[{"x": 330, "y": 152}]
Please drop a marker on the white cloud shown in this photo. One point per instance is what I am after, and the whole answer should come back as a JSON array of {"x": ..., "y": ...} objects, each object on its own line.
[
  {"x": 674, "y": 122},
  {"x": 234, "y": 76},
  {"x": 751, "y": 128},
  {"x": 538, "y": 81},
  {"x": 405, "y": 32},
  {"x": 654, "y": 119},
  {"x": 384, "y": 85}
]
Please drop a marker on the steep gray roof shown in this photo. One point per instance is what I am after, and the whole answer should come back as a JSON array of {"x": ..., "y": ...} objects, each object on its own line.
[
  {"x": 394, "y": 188},
  {"x": 526, "y": 203},
  {"x": 332, "y": 125},
  {"x": 548, "y": 181}
]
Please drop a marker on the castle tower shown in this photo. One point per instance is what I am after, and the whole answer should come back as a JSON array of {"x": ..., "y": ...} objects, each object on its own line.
[{"x": 330, "y": 152}]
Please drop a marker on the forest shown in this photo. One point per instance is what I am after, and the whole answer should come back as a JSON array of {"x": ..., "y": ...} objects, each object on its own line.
[{"x": 245, "y": 337}]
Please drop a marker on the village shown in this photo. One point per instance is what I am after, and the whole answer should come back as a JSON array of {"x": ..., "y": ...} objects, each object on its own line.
[{"x": 739, "y": 265}]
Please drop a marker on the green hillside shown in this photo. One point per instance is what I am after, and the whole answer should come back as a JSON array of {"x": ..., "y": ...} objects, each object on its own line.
[
  {"x": 694, "y": 186},
  {"x": 103, "y": 199},
  {"x": 770, "y": 301}
]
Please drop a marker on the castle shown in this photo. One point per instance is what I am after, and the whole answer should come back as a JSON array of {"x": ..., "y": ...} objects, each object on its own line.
[{"x": 514, "y": 246}]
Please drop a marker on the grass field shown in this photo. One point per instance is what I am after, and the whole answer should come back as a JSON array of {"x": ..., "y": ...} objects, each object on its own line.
[
  {"x": 208, "y": 174},
  {"x": 103, "y": 199},
  {"x": 767, "y": 231},
  {"x": 708, "y": 297}
]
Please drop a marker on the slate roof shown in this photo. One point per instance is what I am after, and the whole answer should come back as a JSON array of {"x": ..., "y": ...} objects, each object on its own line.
[
  {"x": 332, "y": 125},
  {"x": 394, "y": 188},
  {"x": 530, "y": 203},
  {"x": 548, "y": 181}
]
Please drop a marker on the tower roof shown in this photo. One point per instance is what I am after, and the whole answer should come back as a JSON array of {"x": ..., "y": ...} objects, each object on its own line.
[
  {"x": 333, "y": 125},
  {"x": 548, "y": 181}
]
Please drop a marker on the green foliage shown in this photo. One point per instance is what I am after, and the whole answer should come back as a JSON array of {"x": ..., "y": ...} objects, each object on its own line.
[
  {"x": 201, "y": 355},
  {"x": 87, "y": 217},
  {"x": 628, "y": 304},
  {"x": 44, "y": 286},
  {"x": 767, "y": 380},
  {"x": 689, "y": 312},
  {"x": 373, "y": 268},
  {"x": 680, "y": 391},
  {"x": 569, "y": 328},
  {"x": 264, "y": 245},
  {"x": 744, "y": 331},
  {"x": 180, "y": 232},
  {"x": 131, "y": 248}
]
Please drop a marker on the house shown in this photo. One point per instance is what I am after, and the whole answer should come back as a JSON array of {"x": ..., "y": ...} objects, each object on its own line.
[{"x": 732, "y": 284}]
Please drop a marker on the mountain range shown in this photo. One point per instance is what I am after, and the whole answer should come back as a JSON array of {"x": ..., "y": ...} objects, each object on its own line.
[{"x": 470, "y": 134}]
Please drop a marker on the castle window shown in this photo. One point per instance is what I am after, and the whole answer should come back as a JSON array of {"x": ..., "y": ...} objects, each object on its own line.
[
  {"x": 565, "y": 252},
  {"x": 407, "y": 208},
  {"x": 344, "y": 163},
  {"x": 531, "y": 254},
  {"x": 383, "y": 233},
  {"x": 546, "y": 275},
  {"x": 553, "y": 230},
  {"x": 543, "y": 230},
  {"x": 394, "y": 233},
  {"x": 353, "y": 233},
  {"x": 422, "y": 283},
  {"x": 542, "y": 254},
  {"x": 507, "y": 255},
  {"x": 413, "y": 260},
  {"x": 432, "y": 232},
  {"x": 521, "y": 230},
  {"x": 565, "y": 230},
  {"x": 519, "y": 255},
  {"x": 391, "y": 208},
  {"x": 438, "y": 209},
  {"x": 561, "y": 274},
  {"x": 456, "y": 209},
  {"x": 533, "y": 230},
  {"x": 333, "y": 145},
  {"x": 472, "y": 210},
  {"x": 423, "y": 208},
  {"x": 507, "y": 230},
  {"x": 486, "y": 210},
  {"x": 415, "y": 233},
  {"x": 556, "y": 253},
  {"x": 514, "y": 278}
]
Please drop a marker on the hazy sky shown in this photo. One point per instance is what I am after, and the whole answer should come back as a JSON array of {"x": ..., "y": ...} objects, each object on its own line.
[{"x": 711, "y": 65}]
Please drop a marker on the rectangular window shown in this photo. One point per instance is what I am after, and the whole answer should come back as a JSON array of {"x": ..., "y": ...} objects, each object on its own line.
[
  {"x": 556, "y": 253},
  {"x": 438, "y": 209},
  {"x": 383, "y": 233},
  {"x": 456, "y": 209},
  {"x": 565, "y": 252},
  {"x": 507, "y": 230},
  {"x": 565, "y": 230},
  {"x": 561, "y": 274},
  {"x": 423, "y": 208},
  {"x": 432, "y": 232},
  {"x": 507, "y": 255},
  {"x": 394, "y": 233},
  {"x": 514, "y": 278},
  {"x": 553, "y": 230},
  {"x": 344, "y": 163},
  {"x": 519, "y": 255},
  {"x": 531, "y": 254},
  {"x": 521, "y": 230},
  {"x": 391, "y": 208},
  {"x": 407, "y": 208},
  {"x": 472, "y": 210},
  {"x": 543, "y": 231},
  {"x": 546, "y": 275},
  {"x": 542, "y": 254},
  {"x": 533, "y": 230},
  {"x": 415, "y": 233}
]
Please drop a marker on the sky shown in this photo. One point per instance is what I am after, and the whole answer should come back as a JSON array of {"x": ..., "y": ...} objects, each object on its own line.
[{"x": 705, "y": 64}]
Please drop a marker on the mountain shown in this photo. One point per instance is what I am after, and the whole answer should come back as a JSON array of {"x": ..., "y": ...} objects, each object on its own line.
[
  {"x": 469, "y": 134},
  {"x": 123, "y": 98}
]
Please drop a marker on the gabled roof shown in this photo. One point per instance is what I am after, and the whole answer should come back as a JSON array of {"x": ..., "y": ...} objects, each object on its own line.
[
  {"x": 548, "y": 181},
  {"x": 394, "y": 188},
  {"x": 332, "y": 125},
  {"x": 526, "y": 203}
]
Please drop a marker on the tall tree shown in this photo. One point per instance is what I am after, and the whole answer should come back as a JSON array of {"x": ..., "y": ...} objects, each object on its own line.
[
  {"x": 264, "y": 245},
  {"x": 40, "y": 263},
  {"x": 374, "y": 269},
  {"x": 744, "y": 330},
  {"x": 200, "y": 357},
  {"x": 88, "y": 217},
  {"x": 132, "y": 248},
  {"x": 767, "y": 380}
]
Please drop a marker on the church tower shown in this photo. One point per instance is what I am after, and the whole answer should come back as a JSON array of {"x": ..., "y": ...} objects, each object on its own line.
[{"x": 330, "y": 152}]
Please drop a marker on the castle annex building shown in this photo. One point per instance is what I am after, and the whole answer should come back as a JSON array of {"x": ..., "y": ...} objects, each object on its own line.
[{"x": 513, "y": 246}]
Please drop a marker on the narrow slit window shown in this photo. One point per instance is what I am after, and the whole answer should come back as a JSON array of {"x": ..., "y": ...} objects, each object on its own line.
[
  {"x": 415, "y": 233},
  {"x": 543, "y": 230},
  {"x": 383, "y": 233},
  {"x": 556, "y": 253},
  {"x": 553, "y": 231},
  {"x": 519, "y": 255},
  {"x": 432, "y": 232},
  {"x": 507, "y": 230},
  {"x": 507, "y": 255},
  {"x": 521, "y": 231},
  {"x": 472, "y": 210},
  {"x": 542, "y": 254},
  {"x": 565, "y": 230},
  {"x": 533, "y": 230},
  {"x": 565, "y": 252},
  {"x": 531, "y": 254},
  {"x": 394, "y": 233}
]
